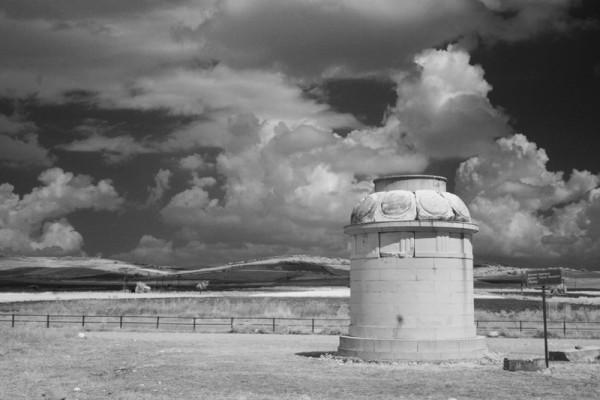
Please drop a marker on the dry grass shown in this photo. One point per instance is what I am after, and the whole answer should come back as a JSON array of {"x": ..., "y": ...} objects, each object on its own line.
[
  {"x": 583, "y": 321},
  {"x": 554, "y": 313},
  {"x": 192, "y": 307},
  {"x": 126, "y": 366},
  {"x": 563, "y": 321}
]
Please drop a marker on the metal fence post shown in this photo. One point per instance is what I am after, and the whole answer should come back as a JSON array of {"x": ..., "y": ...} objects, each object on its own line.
[{"x": 510, "y": 325}]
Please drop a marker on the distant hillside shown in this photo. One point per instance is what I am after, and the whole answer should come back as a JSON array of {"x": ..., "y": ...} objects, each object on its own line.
[
  {"x": 497, "y": 275},
  {"x": 71, "y": 272},
  {"x": 84, "y": 273},
  {"x": 296, "y": 270},
  {"x": 52, "y": 264}
]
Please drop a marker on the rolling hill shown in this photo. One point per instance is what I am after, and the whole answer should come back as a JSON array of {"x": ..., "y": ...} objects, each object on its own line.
[
  {"x": 88, "y": 273},
  {"x": 84, "y": 273}
]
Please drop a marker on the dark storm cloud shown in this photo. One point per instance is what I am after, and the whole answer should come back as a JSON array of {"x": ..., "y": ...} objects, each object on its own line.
[
  {"x": 75, "y": 9},
  {"x": 19, "y": 143},
  {"x": 333, "y": 38}
]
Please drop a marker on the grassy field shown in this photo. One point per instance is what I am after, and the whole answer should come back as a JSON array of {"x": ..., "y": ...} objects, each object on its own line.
[
  {"x": 192, "y": 307},
  {"x": 511, "y": 308},
  {"x": 56, "y": 364},
  {"x": 503, "y": 315}
]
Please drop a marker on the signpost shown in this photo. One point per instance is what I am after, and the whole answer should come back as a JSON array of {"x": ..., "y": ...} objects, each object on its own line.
[{"x": 543, "y": 278}]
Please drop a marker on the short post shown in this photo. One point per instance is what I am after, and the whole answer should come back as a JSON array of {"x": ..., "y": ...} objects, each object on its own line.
[
  {"x": 520, "y": 326},
  {"x": 83, "y": 320},
  {"x": 313, "y": 325},
  {"x": 231, "y": 323},
  {"x": 522, "y": 276},
  {"x": 13, "y": 320},
  {"x": 48, "y": 321},
  {"x": 545, "y": 325},
  {"x": 564, "y": 327},
  {"x": 157, "y": 322},
  {"x": 194, "y": 328},
  {"x": 273, "y": 324},
  {"x": 121, "y": 321}
]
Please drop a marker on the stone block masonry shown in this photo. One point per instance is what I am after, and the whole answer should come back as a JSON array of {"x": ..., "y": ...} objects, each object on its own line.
[{"x": 411, "y": 274}]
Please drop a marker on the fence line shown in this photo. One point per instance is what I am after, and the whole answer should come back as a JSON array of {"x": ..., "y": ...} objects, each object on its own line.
[
  {"x": 158, "y": 321},
  {"x": 526, "y": 326},
  {"x": 271, "y": 323}
]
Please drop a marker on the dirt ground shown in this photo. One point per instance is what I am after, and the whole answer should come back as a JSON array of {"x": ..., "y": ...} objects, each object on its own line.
[{"x": 144, "y": 365}]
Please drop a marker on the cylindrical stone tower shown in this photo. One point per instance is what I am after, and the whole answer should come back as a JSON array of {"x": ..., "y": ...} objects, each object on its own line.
[{"x": 411, "y": 274}]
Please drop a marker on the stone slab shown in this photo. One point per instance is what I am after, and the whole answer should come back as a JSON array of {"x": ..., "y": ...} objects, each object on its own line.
[
  {"x": 589, "y": 354},
  {"x": 534, "y": 364}
]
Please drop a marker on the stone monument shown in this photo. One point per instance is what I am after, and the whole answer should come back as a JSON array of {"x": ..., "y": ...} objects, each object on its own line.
[{"x": 411, "y": 274}]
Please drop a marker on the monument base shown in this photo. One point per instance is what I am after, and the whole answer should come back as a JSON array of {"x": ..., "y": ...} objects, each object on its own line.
[{"x": 412, "y": 349}]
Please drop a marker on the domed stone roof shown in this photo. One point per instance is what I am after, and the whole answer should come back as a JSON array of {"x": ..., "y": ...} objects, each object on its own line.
[{"x": 406, "y": 205}]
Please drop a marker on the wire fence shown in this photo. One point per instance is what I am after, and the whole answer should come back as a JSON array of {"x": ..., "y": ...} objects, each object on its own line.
[
  {"x": 272, "y": 324},
  {"x": 200, "y": 324},
  {"x": 529, "y": 328}
]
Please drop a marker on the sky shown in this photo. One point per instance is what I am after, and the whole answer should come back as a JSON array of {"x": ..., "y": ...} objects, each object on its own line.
[{"x": 201, "y": 132}]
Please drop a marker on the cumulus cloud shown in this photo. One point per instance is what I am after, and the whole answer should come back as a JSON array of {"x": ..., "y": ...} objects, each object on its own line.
[
  {"x": 150, "y": 250},
  {"x": 277, "y": 196},
  {"x": 19, "y": 144},
  {"x": 209, "y": 97},
  {"x": 526, "y": 212},
  {"x": 113, "y": 149},
  {"x": 290, "y": 184},
  {"x": 445, "y": 109},
  {"x": 35, "y": 223},
  {"x": 161, "y": 184},
  {"x": 220, "y": 91},
  {"x": 287, "y": 179},
  {"x": 194, "y": 162}
]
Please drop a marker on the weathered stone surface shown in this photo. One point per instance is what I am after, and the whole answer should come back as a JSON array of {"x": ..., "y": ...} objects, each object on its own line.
[
  {"x": 396, "y": 244},
  {"x": 410, "y": 183},
  {"x": 364, "y": 211},
  {"x": 536, "y": 364},
  {"x": 461, "y": 212},
  {"x": 412, "y": 350},
  {"x": 589, "y": 354},
  {"x": 432, "y": 206},
  {"x": 411, "y": 274},
  {"x": 405, "y": 205},
  {"x": 399, "y": 205}
]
